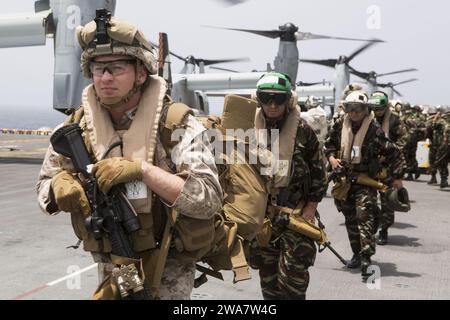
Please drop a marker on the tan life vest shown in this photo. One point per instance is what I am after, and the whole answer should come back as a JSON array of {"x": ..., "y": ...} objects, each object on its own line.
[
  {"x": 386, "y": 121},
  {"x": 286, "y": 144},
  {"x": 138, "y": 142},
  {"x": 351, "y": 144}
]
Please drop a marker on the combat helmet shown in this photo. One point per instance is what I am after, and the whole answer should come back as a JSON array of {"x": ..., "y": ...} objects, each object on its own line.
[
  {"x": 398, "y": 200},
  {"x": 271, "y": 84},
  {"x": 108, "y": 35},
  {"x": 356, "y": 101},
  {"x": 312, "y": 102},
  {"x": 378, "y": 101},
  {"x": 432, "y": 110},
  {"x": 444, "y": 109},
  {"x": 406, "y": 107},
  {"x": 417, "y": 108},
  {"x": 350, "y": 88}
]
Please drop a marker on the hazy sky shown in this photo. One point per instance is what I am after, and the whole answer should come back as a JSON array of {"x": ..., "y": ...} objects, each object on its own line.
[{"x": 417, "y": 35}]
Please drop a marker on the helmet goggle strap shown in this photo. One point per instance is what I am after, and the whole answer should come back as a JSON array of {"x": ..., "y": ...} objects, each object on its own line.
[
  {"x": 354, "y": 107},
  {"x": 377, "y": 107},
  {"x": 279, "y": 98}
]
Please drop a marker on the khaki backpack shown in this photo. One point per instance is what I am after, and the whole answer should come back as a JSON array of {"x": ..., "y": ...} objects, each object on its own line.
[{"x": 220, "y": 241}]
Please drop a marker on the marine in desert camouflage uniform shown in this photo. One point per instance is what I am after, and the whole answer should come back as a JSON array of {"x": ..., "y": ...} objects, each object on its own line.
[{"x": 128, "y": 101}]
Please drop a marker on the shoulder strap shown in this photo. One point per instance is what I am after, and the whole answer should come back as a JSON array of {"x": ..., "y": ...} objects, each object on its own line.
[
  {"x": 172, "y": 118},
  {"x": 74, "y": 115}
]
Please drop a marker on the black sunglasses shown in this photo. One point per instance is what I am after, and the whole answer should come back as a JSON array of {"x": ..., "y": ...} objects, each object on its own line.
[
  {"x": 279, "y": 98},
  {"x": 377, "y": 107},
  {"x": 354, "y": 107}
]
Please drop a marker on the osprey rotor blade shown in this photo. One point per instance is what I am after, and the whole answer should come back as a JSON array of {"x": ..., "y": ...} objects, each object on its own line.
[
  {"x": 308, "y": 84},
  {"x": 300, "y": 36},
  {"x": 326, "y": 62},
  {"x": 406, "y": 81},
  {"x": 363, "y": 75},
  {"x": 397, "y": 92},
  {"x": 208, "y": 62},
  {"x": 224, "y": 69},
  {"x": 395, "y": 72},
  {"x": 273, "y": 34},
  {"x": 361, "y": 49},
  {"x": 232, "y": 2}
]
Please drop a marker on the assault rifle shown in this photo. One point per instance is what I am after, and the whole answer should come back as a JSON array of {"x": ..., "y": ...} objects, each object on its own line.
[
  {"x": 355, "y": 177},
  {"x": 112, "y": 215}
]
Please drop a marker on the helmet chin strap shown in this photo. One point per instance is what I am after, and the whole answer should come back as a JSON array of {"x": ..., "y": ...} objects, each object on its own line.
[{"x": 115, "y": 102}]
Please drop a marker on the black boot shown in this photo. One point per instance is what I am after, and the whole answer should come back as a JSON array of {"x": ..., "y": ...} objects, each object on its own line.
[
  {"x": 444, "y": 184},
  {"x": 355, "y": 262},
  {"x": 365, "y": 263},
  {"x": 409, "y": 177},
  {"x": 433, "y": 179},
  {"x": 382, "y": 237},
  {"x": 417, "y": 174}
]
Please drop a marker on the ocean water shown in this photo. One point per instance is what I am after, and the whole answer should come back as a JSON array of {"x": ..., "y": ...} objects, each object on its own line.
[
  {"x": 29, "y": 118},
  {"x": 35, "y": 118}
]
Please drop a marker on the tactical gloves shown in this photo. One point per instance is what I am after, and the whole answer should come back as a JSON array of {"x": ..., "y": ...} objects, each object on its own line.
[
  {"x": 112, "y": 171},
  {"x": 69, "y": 194}
]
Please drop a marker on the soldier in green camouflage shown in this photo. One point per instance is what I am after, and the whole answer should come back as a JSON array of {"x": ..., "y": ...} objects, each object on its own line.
[
  {"x": 359, "y": 146},
  {"x": 415, "y": 127},
  {"x": 442, "y": 137},
  {"x": 391, "y": 125},
  {"x": 284, "y": 259},
  {"x": 432, "y": 134}
]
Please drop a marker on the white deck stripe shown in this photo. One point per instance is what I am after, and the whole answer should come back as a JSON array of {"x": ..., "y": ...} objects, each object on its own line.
[{"x": 71, "y": 275}]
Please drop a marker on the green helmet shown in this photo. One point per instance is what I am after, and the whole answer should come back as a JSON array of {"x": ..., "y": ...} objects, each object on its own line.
[
  {"x": 274, "y": 81},
  {"x": 378, "y": 100}
]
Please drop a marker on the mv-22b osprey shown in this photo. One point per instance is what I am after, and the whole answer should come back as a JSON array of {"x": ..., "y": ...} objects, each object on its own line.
[{"x": 59, "y": 19}]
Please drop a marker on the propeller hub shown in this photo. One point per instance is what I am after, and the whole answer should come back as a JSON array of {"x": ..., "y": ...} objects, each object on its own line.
[
  {"x": 288, "y": 31},
  {"x": 190, "y": 59},
  {"x": 342, "y": 59}
]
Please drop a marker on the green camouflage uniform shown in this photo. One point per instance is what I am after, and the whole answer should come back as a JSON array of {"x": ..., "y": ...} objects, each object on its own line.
[
  {"x": 432, "y": 135},
  {"x": 386, "y": 215},
  {"x": 441, "y": 136},
  {"x": 283, "y": 264},
  {"x": 415, "y": 126},
  {"x": 360, "y": 208}
]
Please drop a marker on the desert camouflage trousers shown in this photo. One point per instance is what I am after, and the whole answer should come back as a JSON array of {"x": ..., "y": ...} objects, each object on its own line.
[
  {"x": 283, "y": 265},
  {"x": 177, "y": 280},
  {"x": 360, "y": 210}
]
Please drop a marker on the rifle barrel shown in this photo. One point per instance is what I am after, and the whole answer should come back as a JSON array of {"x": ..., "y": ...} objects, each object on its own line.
[{"x": 328, "y": 245}]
